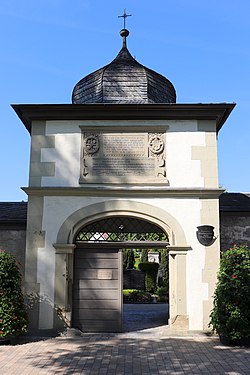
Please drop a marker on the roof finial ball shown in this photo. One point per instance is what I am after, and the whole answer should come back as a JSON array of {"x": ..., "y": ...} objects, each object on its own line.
[{"x": 124, "y": 32}]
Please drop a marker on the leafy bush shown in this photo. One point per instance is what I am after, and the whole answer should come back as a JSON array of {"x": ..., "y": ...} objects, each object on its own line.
[
  {"x": 134, "y": 295},
  {"x": 231, "y": 313},
  {"x": 151, "y": 269},
  {"x": 13, "y": 317}
]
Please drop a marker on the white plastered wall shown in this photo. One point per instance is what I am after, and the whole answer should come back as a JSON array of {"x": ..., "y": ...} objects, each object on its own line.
[
  {"x": 181, "y": 136},
  {"x": 58, "y": 209},
  {"x": 183, "y": 171}
]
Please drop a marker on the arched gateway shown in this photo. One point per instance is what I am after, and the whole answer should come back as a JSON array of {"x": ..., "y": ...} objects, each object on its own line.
[
  {"x": 123, "y": 150},
  {"x": 97, "y": 281},
  {"x": 89, "y": 251}
]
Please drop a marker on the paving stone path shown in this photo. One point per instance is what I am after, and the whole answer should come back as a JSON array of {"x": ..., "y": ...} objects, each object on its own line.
[
  {"x": 137, "y": 317},
  {"x": 145, "y": 351}
]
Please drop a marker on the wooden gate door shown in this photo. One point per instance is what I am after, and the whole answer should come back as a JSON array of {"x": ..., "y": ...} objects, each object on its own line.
[{"x": 97, "y": 290}]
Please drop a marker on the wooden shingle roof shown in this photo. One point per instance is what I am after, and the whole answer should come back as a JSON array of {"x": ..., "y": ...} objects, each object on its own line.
[{"x": 124, "y": 81}]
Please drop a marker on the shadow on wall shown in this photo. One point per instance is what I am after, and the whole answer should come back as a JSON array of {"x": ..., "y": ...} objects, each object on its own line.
[{"x": 34, "y": 303}]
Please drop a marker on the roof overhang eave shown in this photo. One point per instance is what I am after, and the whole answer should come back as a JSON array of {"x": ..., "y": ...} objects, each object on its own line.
[{"x": 45, "y": 112}]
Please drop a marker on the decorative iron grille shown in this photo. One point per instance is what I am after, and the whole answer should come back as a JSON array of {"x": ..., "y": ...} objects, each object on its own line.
[{"x": 121, "y": 228}]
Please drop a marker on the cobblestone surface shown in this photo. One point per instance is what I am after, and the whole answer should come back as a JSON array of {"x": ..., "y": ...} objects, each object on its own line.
[
  {"x": 144, "y": 352},
  {"x": 149, "y": 349}
]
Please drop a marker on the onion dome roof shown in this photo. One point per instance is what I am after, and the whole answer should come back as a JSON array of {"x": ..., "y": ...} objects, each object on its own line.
[{"x": 124, "y": 81}]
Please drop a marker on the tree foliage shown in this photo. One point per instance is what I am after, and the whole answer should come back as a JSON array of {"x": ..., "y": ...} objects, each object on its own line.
[
  {"x": 131, "y": 259},
  {"x": 128, "y": 259},
  {"x": 164, "y": 266},
  {"x": 144, "y": 256}
]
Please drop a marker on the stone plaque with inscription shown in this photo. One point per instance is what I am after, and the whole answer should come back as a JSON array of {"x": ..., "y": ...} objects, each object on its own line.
[
  {"x": 109, "y": 157},
  {"x": 104, "y": 274}
]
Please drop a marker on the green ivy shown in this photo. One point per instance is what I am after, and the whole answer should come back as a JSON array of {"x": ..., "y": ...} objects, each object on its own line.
[
  {"x": 13, "y": 317},
  {"x": 231, "y": 312}
]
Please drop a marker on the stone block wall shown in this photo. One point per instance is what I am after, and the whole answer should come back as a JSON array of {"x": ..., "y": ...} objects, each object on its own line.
[
  {"x": 13, "y": 241},
  {"x": 234, "y": 229}
]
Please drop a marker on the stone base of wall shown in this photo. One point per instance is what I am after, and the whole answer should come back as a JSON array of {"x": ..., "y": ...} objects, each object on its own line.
[{"x": 180, "y": 323}]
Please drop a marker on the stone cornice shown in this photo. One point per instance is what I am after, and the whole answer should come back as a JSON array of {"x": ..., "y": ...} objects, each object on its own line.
[
  {"x": 174, "y": 250},
  {"x": 64, "y": 248},
  {"x": 41, "y": 112},
  {"x": 122, "y": 191}
]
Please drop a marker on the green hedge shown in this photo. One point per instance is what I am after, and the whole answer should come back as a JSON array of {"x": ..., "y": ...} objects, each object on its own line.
[
  {"x": 162, "y": 294},
  {"x": 151, "y": 270},
  {"x": 136, "y": 296}
]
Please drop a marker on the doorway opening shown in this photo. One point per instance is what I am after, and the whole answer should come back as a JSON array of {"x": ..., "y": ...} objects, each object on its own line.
[
  {"x": 99, "y": 300},
  {"x": 145, "y": 288}
]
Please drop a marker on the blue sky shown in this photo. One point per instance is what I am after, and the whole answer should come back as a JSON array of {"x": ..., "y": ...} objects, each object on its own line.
[{"x": 47, "y": 46}]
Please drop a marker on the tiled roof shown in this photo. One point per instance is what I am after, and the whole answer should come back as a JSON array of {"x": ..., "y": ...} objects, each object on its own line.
[
  {"x": 13, "y": 212},
  {"x": 235, "y": 202}
]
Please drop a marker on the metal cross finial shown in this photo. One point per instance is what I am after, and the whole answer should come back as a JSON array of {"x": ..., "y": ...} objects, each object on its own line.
[{"x": 124, "y": 16}]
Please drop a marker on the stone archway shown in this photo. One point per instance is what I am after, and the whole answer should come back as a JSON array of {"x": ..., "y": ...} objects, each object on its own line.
[
  {"x": 65, "y": 248},
  {"x": 97, "y": 283},
  {"x": 108, "y": 208}
]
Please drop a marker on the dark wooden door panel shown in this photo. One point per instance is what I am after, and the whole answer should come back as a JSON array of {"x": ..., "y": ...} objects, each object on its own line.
[{"x": 96, "y": 291}]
